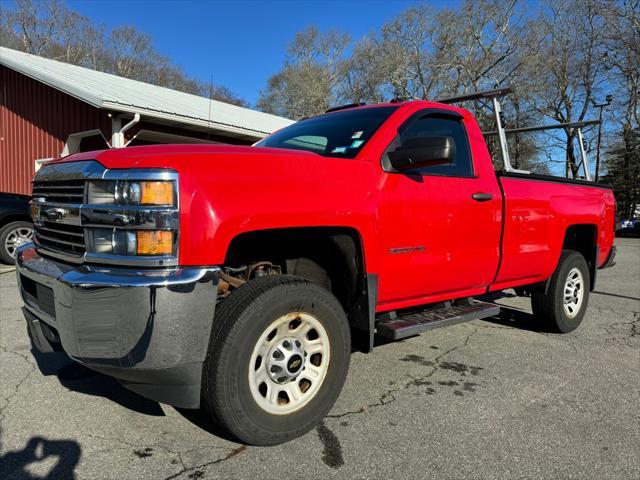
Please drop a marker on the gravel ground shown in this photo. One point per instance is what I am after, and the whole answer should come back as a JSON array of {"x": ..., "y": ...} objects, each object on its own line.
[{"x": 496, "y": 398}]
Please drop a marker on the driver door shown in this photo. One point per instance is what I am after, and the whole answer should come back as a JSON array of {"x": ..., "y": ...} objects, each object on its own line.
[{"x": 437, "y": 239}]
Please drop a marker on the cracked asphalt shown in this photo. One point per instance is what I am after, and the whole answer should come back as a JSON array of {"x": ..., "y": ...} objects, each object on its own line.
[{"x": 496, "y": 398}]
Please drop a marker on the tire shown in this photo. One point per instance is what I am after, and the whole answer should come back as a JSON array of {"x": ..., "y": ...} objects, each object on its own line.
[
  {"x": 551, "y": 308},
  {"x": 237, "y": 384},
  {"x": 19, "y": 231}
]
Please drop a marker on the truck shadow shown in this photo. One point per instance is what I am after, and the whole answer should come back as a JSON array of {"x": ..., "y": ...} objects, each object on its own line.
[
  {"x": 626, "y": 297},
  {"x": 15, "y": 464},
  {"x": 77, "y": 378},
  {"x": 512, "y": 317},
  {"x": 200, "y": 419}
]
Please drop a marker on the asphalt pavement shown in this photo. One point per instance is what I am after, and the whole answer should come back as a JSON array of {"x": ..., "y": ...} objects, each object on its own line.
[{"x": 496, "y": 398}]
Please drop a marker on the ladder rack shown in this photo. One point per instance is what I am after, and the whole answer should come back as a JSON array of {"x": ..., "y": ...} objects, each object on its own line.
[
  {"x": 502, "y": 133},
  {"x": 498, "y": 92}
]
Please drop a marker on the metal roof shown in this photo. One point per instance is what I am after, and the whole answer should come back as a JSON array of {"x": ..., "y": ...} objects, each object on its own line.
[{"x": 120, "y": 94}]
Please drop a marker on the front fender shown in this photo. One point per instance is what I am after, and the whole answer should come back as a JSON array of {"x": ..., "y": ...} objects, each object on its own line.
[{"x": 219, "y": 205}]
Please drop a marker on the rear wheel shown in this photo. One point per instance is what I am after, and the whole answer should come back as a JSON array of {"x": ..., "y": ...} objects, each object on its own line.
[
  {"x": 278, "y": 358},
  {"x": 564, "y": 304}
]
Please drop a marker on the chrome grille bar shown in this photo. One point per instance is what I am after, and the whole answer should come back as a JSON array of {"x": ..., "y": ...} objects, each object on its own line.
[
  {"x": 48, "y": 238},
  {"x": 79, "y": 234},
  {"x": 66, "y": 191}
]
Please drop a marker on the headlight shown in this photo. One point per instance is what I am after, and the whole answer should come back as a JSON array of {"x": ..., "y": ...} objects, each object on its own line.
[
  {"x": 131, "y": 217},
  {"x": 150, "y": 242},
  {"x": 114, "y": 241},
  {"x": 124, "y": 192}
]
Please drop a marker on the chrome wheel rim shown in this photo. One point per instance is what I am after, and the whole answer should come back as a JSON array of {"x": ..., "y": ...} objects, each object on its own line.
[
  {"x": 16, "y": 238},
  {"x": 573, "y": 293},
  {"x": 289, "y": 363}
]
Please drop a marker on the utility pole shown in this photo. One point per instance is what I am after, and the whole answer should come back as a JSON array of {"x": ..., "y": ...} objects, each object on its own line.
[{"x": 600, "y": 106}]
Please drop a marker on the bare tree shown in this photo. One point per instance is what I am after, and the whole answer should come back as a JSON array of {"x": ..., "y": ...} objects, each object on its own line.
[
  {"x": 480, "y": 44},
  {"x": 365, "y": 73},
  {"x": 308, "y": 83},
  {"x": 622, "y": 40},
  {"x": 48, "y": 28},
  {"x": 130, "y": 51},
  {"x": 569, "y": 66},
  {"x": 36, "y": 24},
  {"x": 406, "y": 53},
  {"x": 623, "y": 158},
  {"x": 8, "y": 36},
  {"x": 79, "y": 41},
  {"x": 424, "y": 53}
]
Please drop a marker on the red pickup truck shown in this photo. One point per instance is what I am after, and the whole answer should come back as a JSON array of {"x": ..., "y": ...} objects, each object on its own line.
[{"x": 235, "y": 278}]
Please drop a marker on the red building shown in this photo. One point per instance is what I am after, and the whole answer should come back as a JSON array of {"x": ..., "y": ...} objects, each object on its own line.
[{"x": 50, "y": 108}]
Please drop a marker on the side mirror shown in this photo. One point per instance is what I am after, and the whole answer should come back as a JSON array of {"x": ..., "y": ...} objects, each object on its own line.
[{"x": 423, "y": 152}]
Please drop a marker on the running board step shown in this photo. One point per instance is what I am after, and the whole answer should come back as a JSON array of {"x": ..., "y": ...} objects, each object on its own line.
[{"x": 415, "y": 323}]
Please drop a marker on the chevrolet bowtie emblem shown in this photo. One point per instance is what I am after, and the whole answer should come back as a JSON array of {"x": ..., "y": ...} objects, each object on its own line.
[{"x": 55, "y": 213}]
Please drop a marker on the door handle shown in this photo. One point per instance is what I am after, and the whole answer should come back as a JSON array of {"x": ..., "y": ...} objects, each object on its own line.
[{"x": 482, "y": 197}]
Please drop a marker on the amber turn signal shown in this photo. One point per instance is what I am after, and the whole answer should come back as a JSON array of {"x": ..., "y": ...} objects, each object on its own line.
[
  {"x": 154, "y": 242},
  {"x": 156, "y": 193}
]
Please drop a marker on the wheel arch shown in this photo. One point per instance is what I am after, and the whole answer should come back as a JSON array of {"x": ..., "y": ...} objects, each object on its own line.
[
  {"x": 583, "y": 238},
  {"x": 333, "y": 257},
  {"x": 14, "y": 217}
]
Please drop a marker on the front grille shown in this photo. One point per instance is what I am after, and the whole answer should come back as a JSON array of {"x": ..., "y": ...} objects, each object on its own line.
[
  {"x": 62, "y": 191},
  {"x": 60, "y": 237}
]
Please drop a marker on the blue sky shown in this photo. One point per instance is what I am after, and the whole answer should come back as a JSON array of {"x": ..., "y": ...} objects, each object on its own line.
[{"x": 240, "y": 43}]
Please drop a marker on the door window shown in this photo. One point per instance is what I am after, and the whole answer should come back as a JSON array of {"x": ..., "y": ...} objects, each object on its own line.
[{"x": 436, "y": 126}]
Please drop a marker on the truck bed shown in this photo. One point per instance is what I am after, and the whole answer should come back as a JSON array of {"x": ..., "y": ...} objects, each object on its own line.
[{"x": 537, "y": 210}]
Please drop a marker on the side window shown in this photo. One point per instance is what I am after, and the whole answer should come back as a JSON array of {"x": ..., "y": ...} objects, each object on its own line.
[{"x": 434, "y": 126}]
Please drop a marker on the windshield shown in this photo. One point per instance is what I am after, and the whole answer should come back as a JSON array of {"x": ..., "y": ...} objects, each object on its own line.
[{"x": 338, "y": 134}]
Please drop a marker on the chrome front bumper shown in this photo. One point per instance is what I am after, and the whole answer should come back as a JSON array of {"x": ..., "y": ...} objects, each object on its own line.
[{"x": 148, "y": 328}]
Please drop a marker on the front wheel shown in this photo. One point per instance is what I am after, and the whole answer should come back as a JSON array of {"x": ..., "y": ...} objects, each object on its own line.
[
  {"x": 278, "y": 358},
  {"x": 12, "y": 235},
  {"x": 564, "y": 304}
]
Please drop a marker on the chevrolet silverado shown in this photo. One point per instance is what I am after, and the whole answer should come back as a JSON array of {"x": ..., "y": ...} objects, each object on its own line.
[{"x": 238, "y": 279}]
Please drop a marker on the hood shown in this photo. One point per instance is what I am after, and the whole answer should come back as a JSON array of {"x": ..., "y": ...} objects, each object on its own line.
[{"x": 178, "y": 156}]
